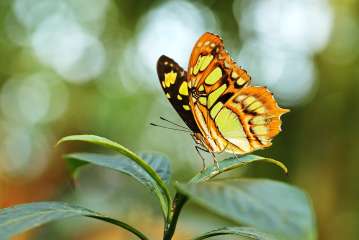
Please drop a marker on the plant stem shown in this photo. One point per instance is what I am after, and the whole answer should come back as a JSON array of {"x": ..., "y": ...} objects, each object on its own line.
[{"x": 178, "y": 202}]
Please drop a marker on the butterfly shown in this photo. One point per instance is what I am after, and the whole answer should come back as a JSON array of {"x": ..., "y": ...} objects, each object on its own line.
[{"x": 217, "y": 102}]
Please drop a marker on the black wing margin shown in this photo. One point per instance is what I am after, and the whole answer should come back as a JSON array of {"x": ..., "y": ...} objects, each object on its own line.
[{"x": 171, "y": 77}]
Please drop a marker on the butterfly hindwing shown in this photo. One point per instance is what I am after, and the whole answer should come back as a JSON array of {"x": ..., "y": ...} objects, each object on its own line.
[
  {"x": 173, "y": 80},
  {"x": 256, "y": 119}
]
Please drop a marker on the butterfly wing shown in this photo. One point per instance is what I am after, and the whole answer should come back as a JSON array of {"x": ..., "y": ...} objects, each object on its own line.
[
  {"x": 249, "y": 120},
  {"x": 211, "y": 66},
  {"x": 173, "y": 80},
  {"x": 231, "y": 115}
]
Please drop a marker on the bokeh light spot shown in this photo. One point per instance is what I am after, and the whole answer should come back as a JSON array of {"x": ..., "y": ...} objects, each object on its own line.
[{"x": 165, "y": 30}]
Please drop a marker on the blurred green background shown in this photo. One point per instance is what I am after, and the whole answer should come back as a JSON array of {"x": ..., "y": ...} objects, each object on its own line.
[{"x": 87, "y": 66}]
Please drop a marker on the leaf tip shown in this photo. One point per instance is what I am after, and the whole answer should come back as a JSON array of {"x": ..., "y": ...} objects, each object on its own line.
[
  {"x": 283, "y": 167},
  {"x": 78, "y": 137},
  {"x": 279, "y": 164},
  {"x": 65, "y": 139},
  {"x": 60, "y": 141}
]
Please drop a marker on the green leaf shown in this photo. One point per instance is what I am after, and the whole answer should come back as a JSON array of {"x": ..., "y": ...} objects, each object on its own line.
[
  {"x": 160, "y": 163},
  {"x": 17, "y": 219},
  {"x": 270, "y": 206},
  {"x": 125, "y": 165},
  {"x": 160, "y": 184},
  {"x": 232, "y": 163},
  {"x": 244, "y": 233}
]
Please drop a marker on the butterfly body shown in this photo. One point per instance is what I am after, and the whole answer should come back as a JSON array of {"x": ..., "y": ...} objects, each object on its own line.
[{"x": 216, "y": 101}]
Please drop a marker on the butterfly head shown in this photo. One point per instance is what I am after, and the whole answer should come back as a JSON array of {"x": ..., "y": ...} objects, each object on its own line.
[
  {"x": 196, "y": 93},
  {"x": 197, "y": 137}
]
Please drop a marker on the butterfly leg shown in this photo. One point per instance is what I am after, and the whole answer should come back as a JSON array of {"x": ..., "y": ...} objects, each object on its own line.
[
  {"x": 212, "y": 153},
  {"x": 236, "y": 156},
  {"x": 200, "y": 155},
  {"x": 215, "y": 160}
]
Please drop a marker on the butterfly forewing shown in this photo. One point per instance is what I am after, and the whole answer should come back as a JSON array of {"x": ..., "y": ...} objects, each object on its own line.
[
  {"x": 173, "y": 80},
  {"x": 211, "y": 66}
]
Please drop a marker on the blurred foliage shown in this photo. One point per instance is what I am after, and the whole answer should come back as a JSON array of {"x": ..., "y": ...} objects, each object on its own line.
[{"x": 76, "y": 66}]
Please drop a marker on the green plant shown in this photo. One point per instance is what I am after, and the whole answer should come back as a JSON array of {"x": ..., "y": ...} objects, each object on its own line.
[{"x": 264, "y": 209}]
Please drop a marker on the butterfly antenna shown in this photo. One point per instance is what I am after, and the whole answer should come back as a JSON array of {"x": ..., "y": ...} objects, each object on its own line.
[
  {"x": 164, "y": 119},
  {"x": 175, "y": 129}
]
